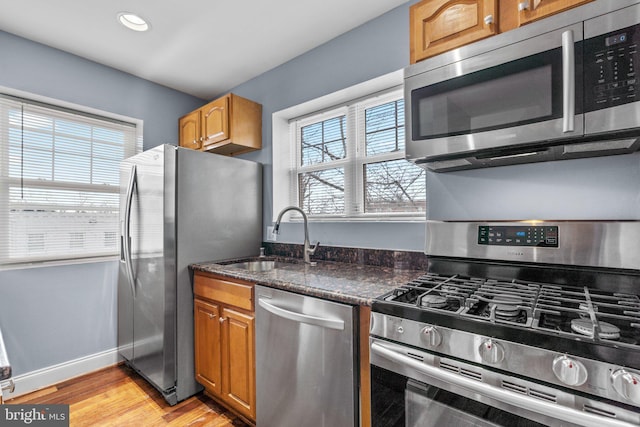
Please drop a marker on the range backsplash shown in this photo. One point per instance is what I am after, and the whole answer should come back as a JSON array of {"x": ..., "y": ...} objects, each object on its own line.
[{"x": 400, "y": 260}]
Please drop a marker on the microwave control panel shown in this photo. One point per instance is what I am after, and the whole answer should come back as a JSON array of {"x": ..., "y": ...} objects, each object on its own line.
[
  {"x": 611, "y": 63},
  {"x": 525, "y": 235}
]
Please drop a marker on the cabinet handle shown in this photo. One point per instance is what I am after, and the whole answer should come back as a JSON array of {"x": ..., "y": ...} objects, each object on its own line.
[
  {"x": 201, "y": 139},
  {"x": 488, "y": 20},
  {"x": 212, "y": 316},
  {"x": 523, "y": 5},
  {"x": 195, "y": 142},
  {"x": 222, "y": 319}
]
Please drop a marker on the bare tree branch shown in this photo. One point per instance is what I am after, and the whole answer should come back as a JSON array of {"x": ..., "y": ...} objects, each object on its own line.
[{"x": 325, "y": 182}]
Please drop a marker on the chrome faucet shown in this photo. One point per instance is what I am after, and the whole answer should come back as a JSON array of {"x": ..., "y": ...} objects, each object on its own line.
[{"x": 308, "y": 250}]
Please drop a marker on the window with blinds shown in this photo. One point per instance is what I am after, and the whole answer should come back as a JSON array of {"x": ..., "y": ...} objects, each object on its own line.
[
  {"x": 59, "y": 182},
  {"x": 349, "y": 162}
]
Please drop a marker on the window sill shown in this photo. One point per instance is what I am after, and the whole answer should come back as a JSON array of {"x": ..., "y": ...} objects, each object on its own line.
[
  {"x": 363, "y": 218},
  {"x": 55, "y": 263}
]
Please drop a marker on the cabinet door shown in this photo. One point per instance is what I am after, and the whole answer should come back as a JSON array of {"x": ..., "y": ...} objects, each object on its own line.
[
  {"x": 208, "y": 346},
  {"x": 215, "y": 121},
  {"x": 515, "y": 13},
  {"x": 238, "y": 361},
  {"x": 437, "y": 26},
  {"x": 189, "y": 130}
]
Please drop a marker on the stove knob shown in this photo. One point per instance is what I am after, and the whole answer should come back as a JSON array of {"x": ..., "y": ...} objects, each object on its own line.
[
  {"x": 569, "y": 371},
  {"x": 627, "y": 384},
  {"x": 491, "y": 351},
  {"x": 431, "y": 336}
]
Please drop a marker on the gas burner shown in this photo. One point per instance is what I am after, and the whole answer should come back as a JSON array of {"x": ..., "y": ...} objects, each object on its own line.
[
  {"x": 585, "y": 327},
  {"x": 433, "y": 301},
  {"x": 496, "y": 300},
  {"x": 506, "y": 305}
]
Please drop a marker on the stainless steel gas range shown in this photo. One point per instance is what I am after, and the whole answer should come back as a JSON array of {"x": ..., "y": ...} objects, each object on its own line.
[{"x": 514, "y": 323}]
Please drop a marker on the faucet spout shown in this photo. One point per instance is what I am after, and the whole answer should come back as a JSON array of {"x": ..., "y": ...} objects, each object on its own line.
[{"x": 308, "y": 250}]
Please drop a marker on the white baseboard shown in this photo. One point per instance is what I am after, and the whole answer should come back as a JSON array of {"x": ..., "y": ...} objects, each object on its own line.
[{"x": 46, "y": 377}]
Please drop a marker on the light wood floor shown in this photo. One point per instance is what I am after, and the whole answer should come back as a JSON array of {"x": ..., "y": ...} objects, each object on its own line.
[{"x": 117, "y": 397}]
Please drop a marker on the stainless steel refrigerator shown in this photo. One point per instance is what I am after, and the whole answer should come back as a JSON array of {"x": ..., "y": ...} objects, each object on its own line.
[{"x": 177, "y": 207}]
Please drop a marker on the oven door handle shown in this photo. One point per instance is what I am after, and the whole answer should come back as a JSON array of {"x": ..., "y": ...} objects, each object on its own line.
[{"x": 505, "y": 396}]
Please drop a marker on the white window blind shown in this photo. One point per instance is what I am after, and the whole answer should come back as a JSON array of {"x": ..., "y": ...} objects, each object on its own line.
[
  {"x": 59, "y": 182},
  {"x": 349, "y": 162}
]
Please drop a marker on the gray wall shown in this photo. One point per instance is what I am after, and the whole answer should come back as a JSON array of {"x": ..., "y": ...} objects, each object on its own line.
[
  {"x": 51, "y": 315},
  {"x": 599, "y": 188},
  {"x": 372, "y": 50},
  {"x": 57, "y": 314},
  {"x": 35, "y": 68}
]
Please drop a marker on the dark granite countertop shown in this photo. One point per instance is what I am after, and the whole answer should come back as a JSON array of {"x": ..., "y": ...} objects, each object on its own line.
[{"x": 349, "y": 283}]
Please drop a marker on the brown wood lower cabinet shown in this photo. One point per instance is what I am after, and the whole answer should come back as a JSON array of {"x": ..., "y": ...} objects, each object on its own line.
[
  {"x": 224, "y": 342},
  {"x": 208, "y": 342},
  {"x": 238, "y": 360}
]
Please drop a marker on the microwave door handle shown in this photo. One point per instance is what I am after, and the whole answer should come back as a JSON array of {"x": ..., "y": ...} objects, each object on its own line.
[{"x": 568, "y": 81}]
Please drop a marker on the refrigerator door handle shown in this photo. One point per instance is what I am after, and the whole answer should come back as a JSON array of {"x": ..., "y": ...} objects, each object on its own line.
[
  {"x": 302, "y": 318},
  {"x": 126, "y": 237}
]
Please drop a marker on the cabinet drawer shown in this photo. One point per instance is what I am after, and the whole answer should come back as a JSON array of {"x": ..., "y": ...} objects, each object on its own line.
[{"x": 233, "y": 293}]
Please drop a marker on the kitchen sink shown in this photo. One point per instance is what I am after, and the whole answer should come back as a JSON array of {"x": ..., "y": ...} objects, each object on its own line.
[
  {"x": 261, "y": 265},
  {"x": 254, "y": 266}
]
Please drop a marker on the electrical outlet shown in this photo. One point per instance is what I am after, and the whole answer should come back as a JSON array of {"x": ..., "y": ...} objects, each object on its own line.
[{"x": 271, "y": 236}]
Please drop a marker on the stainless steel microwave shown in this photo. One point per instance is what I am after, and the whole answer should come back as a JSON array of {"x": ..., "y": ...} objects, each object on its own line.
[{"x": 561, "y": 88}]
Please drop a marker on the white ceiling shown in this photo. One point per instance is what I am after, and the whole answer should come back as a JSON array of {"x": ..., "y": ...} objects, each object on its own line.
[{"x": 201, "y": 47}]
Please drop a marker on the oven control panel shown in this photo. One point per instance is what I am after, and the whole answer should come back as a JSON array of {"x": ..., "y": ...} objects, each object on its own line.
[{"x": 525, "y": 235}]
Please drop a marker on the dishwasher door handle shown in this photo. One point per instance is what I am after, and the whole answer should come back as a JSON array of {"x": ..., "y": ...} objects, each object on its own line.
[{"x": 300, "y": 317}]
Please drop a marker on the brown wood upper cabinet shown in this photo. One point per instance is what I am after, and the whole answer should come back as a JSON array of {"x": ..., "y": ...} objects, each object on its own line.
[
  {"x": 516, "y": 13},
  {"x": 224, "y": 341},
  {"x": 190, "y": 131},
  {"x": 229, "y": 125},
  {"x": 437, "y": 26}
]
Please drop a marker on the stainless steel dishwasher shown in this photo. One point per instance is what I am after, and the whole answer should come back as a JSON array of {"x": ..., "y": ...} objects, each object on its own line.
[{"x": 305, "y": 361}]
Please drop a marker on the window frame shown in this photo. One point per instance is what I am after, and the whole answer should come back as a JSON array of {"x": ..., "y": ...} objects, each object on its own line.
[
  {"x": 7, "y": 261},
  {"x": 344, "y": 163},
  {"x": 364, "y": 159},
  {"x": 354, "y": 162}
]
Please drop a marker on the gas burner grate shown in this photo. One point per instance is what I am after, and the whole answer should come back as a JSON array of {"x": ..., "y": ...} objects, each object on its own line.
[
  {"x": 614, "y": 317},
  {"x": 588, "y": 313},
  {"x": 435, "y": 292},
  {"x": 500, "y": 301}
]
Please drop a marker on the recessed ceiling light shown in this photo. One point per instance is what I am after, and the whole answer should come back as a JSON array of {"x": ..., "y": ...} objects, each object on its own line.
[{"x": 132, "y": 21}]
